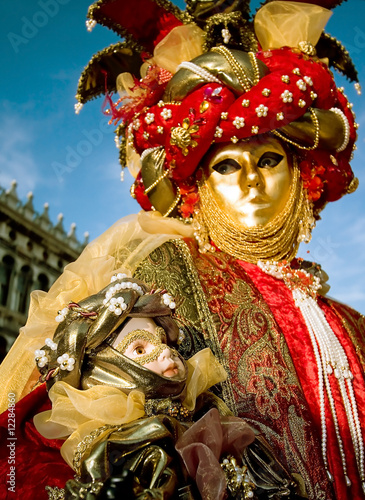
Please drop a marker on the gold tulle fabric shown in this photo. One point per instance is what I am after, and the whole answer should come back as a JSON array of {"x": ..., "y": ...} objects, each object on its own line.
[
  {"x": 204, "y": 371},
  {"x": 183, "y": 43},
  {"x": 279, "y": 24},
  {"x": 87, "y": 275},
  {"x": 75, "y": 413}
]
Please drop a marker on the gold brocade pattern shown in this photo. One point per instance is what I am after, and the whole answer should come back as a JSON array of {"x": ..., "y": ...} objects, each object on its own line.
[
  {"x": 55, "y": 493},
  {"x": 171, "y": 267},
  {"x": 264, "y": 380},
  {"x": 215, "y": 293}
]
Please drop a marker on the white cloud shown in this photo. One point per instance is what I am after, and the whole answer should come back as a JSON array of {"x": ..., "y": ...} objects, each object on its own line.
[
  {"x": 16, "y": 158},
  {"x": 63, "y": 76}
]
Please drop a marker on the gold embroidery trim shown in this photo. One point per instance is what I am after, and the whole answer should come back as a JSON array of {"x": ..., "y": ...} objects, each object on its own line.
[{"x": 206, "y": 320}]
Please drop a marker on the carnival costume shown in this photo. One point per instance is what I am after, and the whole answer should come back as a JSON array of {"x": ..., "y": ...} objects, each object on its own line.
[{"x": 210, "y": 76}]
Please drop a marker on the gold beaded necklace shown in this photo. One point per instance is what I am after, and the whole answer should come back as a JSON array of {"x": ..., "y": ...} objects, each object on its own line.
[{"x": 276, "y": 240}]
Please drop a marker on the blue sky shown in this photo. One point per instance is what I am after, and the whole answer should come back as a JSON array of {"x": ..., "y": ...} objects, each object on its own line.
[{"x": 44, "y": 47}]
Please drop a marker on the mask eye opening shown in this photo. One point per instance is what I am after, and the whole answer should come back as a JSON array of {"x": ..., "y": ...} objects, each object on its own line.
[{"x": 226, "y": 167}]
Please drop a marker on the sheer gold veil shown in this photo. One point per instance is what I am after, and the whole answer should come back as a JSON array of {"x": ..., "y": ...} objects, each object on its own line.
[{"x": 91, "y": 272}]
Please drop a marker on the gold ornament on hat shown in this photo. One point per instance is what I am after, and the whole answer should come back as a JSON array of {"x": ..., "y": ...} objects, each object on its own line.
[
  {"x": 182, "y": 137},
  {"x": 307, "y": 48}
]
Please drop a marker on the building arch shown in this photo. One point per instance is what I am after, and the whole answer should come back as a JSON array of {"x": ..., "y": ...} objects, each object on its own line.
[
  {"x": 42, "y": 282},
  {"x": 7, "y": 267},
  {"x": 24, "y": 287}
]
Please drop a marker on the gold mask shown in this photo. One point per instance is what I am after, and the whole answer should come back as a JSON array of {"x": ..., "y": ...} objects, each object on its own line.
[
  {"x": 250, "y": 180},
  {"x": 144, "y": 335},
  {"x": 253, "y": 205},
  {"x": 149, "y": 350}
]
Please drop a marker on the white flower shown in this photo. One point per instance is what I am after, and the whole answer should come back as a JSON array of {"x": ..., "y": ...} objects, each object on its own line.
[
  {"x": 313, "y": 95},
  {"x": 61, "y": 315},
  {"x": 301, "y": 85},
  {"x": 168, "y": 301},
  {"x": 166, "y": 113},
  {"x": 239, "y": 122},
  {"x": 287, "y": 96},
  {"x": 136, "y": 124},
  {"x": 218, "y": 132},
  {"x": 90, "y": 24},
  {"x": 226, "y": 35},
  {"x": 52, "y": 345},
  {"x": 149, "y": 118},
  {"x": 78, "y": 107},
  {"x": 261, "y": 110},
  {"x": 65, "y": 362},
  {"x": 40, "y": 358},
  {"x": 308, "y": 80}
]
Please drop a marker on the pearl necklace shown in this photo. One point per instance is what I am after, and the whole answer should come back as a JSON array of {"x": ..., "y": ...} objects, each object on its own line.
[
  {"x": 331, "y": 362},
  {"x": 204, "y": 74}
]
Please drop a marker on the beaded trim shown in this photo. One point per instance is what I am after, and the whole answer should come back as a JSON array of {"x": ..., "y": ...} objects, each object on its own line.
[
  {"x": 316, "y": 137},
  {"x": 174, "y": 203},
  {"x": 117, "y": 305},
  {"x": 86, "y": 443},
  {"x": 148, "y": 151},
  {"x": 346, "y": 129},
  {"x": 239, "y": 71},
  {"x": 206, "y": 320},
  {"x": 203, "y": 73},
  {"x": 157, "y": 181},
  {"x": 175, "y": 409},
  {"x": 332, "y": 365},
  {"x": 55, "y": 493}
]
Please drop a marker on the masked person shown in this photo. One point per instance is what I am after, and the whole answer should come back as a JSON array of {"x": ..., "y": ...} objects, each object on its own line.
[{"x": 237, "y": 137}]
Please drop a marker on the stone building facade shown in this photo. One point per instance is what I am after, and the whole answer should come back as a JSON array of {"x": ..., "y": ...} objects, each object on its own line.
[{"x": 33, "y": 253}]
